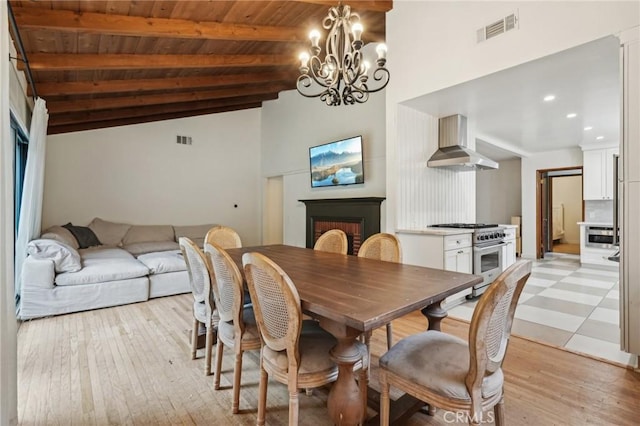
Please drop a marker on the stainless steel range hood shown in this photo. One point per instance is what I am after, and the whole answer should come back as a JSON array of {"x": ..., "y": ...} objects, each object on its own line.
[{"x": 452, "y": 150}]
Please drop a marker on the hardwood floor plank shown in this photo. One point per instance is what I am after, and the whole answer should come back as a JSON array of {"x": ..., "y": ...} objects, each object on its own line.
[{"x": 131, "y": 365}]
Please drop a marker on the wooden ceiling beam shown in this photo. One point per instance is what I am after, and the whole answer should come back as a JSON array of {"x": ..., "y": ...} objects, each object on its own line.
[
  {"x": 137, "y": 26},
  {"x": 145, "y": 85},
  {"x": 52, "y": 130},
  {"x": 115, "y": 114},
  {"x": 145, "y": 100},
  {"x": 357, "y": 5},
  {"x": 78, "y": 62}
]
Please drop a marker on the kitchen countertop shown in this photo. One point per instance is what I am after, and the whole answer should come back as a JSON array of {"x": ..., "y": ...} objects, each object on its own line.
[
  {"x": 595, "y": 224},
  {"x": 435, "y": 231},
  {"x": 508, "y": 225}
]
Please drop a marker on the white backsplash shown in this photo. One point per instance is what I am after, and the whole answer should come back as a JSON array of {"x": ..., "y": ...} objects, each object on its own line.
[
  {"x": 428, "y": 196},
  {"x": 598, "y": 211}
]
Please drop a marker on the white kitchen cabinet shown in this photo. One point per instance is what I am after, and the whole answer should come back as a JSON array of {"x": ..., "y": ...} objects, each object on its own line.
[
  {"x": 440, "y": 250},
  {"x": 597, "y": 173},
  {"x": 509, "y": 249}
]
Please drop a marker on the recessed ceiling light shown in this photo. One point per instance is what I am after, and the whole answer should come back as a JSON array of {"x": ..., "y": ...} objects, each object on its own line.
[
  {"x": 588, "y": 128},
  {"x": 549, "y": 98},
  {"x": 600, "y": 137},
  {"x": 572, "y": 115}
]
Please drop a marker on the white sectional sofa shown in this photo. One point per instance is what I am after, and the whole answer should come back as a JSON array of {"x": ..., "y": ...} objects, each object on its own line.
[{"x": 132, "y": 263}]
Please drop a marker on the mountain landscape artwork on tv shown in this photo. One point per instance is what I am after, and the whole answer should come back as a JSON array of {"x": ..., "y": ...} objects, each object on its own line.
[{"x": 337, "y": 163}]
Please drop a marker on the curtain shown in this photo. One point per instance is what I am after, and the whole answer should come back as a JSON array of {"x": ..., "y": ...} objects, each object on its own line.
[{"x": 31, "y": 205}]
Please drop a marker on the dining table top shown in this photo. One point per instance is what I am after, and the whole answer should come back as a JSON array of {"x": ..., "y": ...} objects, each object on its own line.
[{"x": 361, "y": 293}]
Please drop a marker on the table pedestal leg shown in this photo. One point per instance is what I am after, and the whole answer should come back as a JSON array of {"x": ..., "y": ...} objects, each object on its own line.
[
  {"x": 345, "y": 401},
  {"x": 435, "y": 314}
]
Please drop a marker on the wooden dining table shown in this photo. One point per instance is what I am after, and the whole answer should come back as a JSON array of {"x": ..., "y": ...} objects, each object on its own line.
[{"x": 350, "y": 296}]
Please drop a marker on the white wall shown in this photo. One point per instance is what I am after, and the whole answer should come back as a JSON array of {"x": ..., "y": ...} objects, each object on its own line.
[
  {"x": 499, "y": 193},
  {"x": 546, "y": 160},
  {"x": 139, "y": 174},
  {"x": 432, "y": 45},
  {"x": 292, "y": 123},
  {"x": 8, "y": 346}
]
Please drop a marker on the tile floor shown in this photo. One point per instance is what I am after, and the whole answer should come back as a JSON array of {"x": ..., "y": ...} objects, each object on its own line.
[{"x": 568, "y": 305}]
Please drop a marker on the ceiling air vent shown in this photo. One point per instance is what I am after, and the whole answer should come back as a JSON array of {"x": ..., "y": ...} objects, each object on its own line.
[{"x": 505, "y": 24}]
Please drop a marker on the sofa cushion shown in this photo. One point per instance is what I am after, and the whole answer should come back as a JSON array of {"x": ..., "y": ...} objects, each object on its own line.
[
  {"x": 164, "y": 261},
  {"x": 65, "y": 258},
  {"x": 147, "y": 233},
  {"x": 61, "y": 234},
  {"x": 195, "y": 233},
  {"x": 109, "y": 233},
  {"x": 84, "y": 235},
  {"x": 138, "y": 249},
  {"x": 102, "y": 265}
]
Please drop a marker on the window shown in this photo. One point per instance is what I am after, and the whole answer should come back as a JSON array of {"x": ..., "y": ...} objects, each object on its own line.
[{"x": 21, "y": 143}]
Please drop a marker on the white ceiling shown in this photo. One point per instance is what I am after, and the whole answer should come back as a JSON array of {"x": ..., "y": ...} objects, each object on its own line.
[{"x": 506, "y": 111}]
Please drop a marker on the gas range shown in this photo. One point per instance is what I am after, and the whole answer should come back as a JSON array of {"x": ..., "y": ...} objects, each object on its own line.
[
  {"x": 484, "y": 234},
  {"x": 488, "y": 241}
]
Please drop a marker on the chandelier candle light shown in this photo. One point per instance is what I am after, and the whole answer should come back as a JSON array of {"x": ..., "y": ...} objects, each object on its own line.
[{"x": 343, "y": 76}]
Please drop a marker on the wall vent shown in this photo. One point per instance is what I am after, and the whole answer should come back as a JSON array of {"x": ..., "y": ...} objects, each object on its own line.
[
  {"x": 184, "y": 140},
  {"x": 501, "y": 26}
]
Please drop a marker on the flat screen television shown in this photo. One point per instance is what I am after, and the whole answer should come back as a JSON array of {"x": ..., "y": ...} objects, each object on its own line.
[{"x": 337, "y": 163}]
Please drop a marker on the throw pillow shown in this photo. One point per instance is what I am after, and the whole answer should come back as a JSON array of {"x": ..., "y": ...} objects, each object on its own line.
[
  {"x": 109, "y": 233},
  {"x": 61, "y": 234},
  {"x": 85, "y": 236},
  {"x": 65, "y": 258}
]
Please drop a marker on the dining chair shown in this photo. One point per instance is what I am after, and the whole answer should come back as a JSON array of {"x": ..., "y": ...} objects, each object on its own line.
[
  {"x": 453, "y": 374},
  {"x": 382, "y": 246},
  {"x": 294, "y": 351},
  {"x": 237, "y": 328},
  {"x": 332, "y": 241},
  {"x": 204, "y": 307},
  {"x": 224, "y": 237}
]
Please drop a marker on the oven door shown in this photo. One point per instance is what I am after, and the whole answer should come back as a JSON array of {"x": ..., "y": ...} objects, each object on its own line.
[{"x": 487, "y": 261}]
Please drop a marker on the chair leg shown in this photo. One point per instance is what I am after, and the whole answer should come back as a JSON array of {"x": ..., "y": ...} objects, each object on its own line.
[
  {"x": 262, "y": 398},
  {"x": 237, "y": 375},
  {"x": 294, "y": 407},
  {"x": 384, "y": 400},
  {"x": 207, "y": 348},
  {"x": 389, "y": 336},
  {"x": 219, "y": 352},
  {"x": 498, "y": 412},
  {"x": 194, "y": 338}
]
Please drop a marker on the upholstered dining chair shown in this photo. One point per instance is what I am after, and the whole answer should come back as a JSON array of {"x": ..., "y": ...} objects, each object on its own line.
[
  {"x": 237, "y": 328},
  {"x": 452, "y": 374},
  {"x": 204, "y": 308},
  {"x": 333, "y": 241},
  {"x": 382, "y": 246},
  {"x": 224, "y": 237},
  {"x": 294, "y": 351}
]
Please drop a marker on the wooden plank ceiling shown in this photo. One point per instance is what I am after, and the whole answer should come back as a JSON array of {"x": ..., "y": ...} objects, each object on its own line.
[{"x": 109, "y": 63}]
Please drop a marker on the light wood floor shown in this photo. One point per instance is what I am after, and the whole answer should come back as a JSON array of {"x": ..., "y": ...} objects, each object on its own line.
[
  {"x": 131, "y": 365},
  {"x": 566, "y": 248}
]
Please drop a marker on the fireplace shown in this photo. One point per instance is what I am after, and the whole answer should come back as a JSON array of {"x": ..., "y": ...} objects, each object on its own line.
[{"x": 359, "y": 218}]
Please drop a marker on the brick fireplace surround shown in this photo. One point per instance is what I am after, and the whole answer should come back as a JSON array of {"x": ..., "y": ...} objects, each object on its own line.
[{"x": 359, "y": 218}]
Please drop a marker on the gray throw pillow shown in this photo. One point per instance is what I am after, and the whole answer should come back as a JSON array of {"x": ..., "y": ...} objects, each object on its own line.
[{"x": 85, "y": 236}]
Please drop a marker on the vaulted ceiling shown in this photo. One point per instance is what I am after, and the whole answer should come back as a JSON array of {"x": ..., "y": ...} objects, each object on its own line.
[{"x": 109, "y": 63}]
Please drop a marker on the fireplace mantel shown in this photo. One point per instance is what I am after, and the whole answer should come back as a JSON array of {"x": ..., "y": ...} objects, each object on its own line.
[{"x": 364, "y": 211}]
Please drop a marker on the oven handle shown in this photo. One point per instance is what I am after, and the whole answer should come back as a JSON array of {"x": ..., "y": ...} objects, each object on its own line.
[{"x": 491, "y": 247}]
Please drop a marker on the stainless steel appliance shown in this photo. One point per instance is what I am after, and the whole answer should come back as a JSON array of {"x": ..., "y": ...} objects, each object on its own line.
[
  {"x": 488, "y": 240},
  {"x": 600, "y": 237}
]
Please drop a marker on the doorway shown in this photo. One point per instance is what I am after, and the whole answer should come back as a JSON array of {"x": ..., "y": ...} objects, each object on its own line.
[{"x": 559, "y": 209}]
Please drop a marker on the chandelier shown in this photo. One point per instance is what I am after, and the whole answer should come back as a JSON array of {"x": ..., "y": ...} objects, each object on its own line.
[{"x": 343, "y": 76}]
